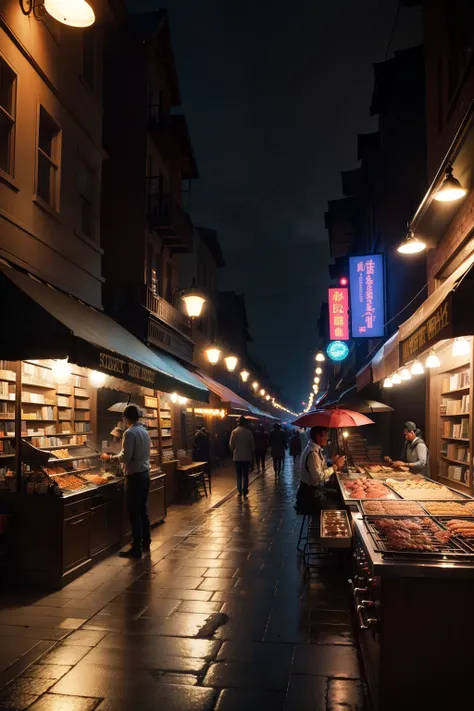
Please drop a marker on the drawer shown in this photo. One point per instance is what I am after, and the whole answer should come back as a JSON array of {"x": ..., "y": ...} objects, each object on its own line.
[{"x": 76, "y": 508}]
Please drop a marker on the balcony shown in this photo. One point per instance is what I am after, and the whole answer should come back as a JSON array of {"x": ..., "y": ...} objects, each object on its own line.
[
  {"x": 168, "y": 219},
  {"x": 161, "y": 130},
  {"x": 168, "y": 314}
]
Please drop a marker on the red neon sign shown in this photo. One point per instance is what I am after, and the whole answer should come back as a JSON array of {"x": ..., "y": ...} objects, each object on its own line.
[{"x": 338, "y": 314}]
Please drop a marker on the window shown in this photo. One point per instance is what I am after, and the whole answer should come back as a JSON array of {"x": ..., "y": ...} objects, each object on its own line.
[
  {"x": 47, "y": 179},
  {"x": 86, "y": 183},
  {"x": 153, "y": 269},
  {"x": 7, "y": 116},
  {"x": 89, "y": 57}
]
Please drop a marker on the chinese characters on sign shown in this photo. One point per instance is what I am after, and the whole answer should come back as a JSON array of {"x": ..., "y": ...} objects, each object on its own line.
[
  {"x": 367, "y": 296},
  {"x": 434, "y": 329},
  {"x": 338, "y": 314}
]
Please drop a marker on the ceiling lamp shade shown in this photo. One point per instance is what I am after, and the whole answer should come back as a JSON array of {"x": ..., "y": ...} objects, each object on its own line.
[
  {"x": 244, "y": 375},
  {"x": 411, "y": 245},
  {"x": 451, "y": 189},
  {"x": 213, "y": 355},
  {"x": 417, "y": 368},
  {"x": 396, "y": 379},
  {"x": 461, "y": 347},
  {"x": 320, "y": 357},
  {"x": 231, "y": 363},
  {"x": 432, "y": 361},
  {"x": 387, "y": 383},
  {"x": 75, "y": 13},
  {"x": 405, "y": 374}
]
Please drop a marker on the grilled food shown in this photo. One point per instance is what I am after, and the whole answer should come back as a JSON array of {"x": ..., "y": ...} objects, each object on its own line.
[
  {"x": 95, "y": 479},
  {"x": 447, "y": 508},
  {"x": 464, "y": 529},
  {"x": 393, "y": 508},
  {"x": 61, "y": 453},
  {"x": 417, "y": 534},
  {"x": 53, "y": 471},
  {"x": 69, "y": 482}
]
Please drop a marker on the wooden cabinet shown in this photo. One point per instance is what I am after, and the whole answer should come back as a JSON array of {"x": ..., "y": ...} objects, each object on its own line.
[
  {"x": 157, "y": 500},
  {"x": 76, "y": 541}
]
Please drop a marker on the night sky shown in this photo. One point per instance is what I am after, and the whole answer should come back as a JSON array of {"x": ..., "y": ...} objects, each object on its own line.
[{"x": 275, "y": 94}]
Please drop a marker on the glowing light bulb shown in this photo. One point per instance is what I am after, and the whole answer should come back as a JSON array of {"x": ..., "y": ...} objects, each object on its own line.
[
  {"x": 244, "y": 375},
  {"x": 231, "y": 363},
  {"x": 75, "y": 13},
  {"x": 387, "y": 383},
  {"x": 97, "y": 379},
  {"x": 213, "y": 355},
  {"x": 396, "y": 379},
  {"x": 417, "y": 368},
  {"x": 405, "y": 374},
  {"x": 460, "y": 347},
  {"x": 61, "y": 370},
  {"x": 432, "y": 361}
]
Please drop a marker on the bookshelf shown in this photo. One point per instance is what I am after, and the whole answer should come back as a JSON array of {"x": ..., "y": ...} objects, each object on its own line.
[
  {"x": 165, "y": 426},
  {"x": 451, "y": 419},
  {"x": 8, "y": 379},
  {"x": 150, "y": 420}
]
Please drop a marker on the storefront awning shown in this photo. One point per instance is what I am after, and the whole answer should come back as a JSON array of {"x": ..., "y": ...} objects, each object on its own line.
[
  {"x": 236, "y": 403},
  {"x": 40, "y": 322},
  {"x": 444, "y": 314}
]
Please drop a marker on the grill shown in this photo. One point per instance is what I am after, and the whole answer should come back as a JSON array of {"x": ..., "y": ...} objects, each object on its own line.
[{"x": 440, "y": 550}]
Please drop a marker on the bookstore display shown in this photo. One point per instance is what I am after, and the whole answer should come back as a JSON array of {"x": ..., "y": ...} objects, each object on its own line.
[
  {"x": 450, "y": 423},
  {"x": 67, "y": 503}
]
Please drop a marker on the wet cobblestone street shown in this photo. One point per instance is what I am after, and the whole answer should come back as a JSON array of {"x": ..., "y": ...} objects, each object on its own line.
[{"x": 218, "y": 617}]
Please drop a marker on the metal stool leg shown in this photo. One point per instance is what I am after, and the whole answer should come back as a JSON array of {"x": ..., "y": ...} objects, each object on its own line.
[{"x": 301, "y": 536}]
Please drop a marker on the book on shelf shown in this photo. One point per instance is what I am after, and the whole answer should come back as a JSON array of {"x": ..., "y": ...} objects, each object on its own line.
[
  {"x": 63, "y": 401},
  {"x": 82, "y": 415},
  {"x": 82, "y": 404},
  {"x": 81, "y": 392},
  {"x": 6, "y": 447},
  {"x": 65, "y": 415},
  {"x": 83, "y": 427},
  {"x": 153, "y": 433},
  {"x": 458, "y": 452},
  {"x": 457, "y": 430},
  {"x": 7, "y": 428},
  {"x": 151, "y": 402},
  {"x": 6, "y": 372},
  {"x": 456, "y": 473},
  {"x": 458, "y": 406},
  {"x": 7, "y": 409},
  {"x": 42, "y": 413},
  {"x": 456, "y": 381}
]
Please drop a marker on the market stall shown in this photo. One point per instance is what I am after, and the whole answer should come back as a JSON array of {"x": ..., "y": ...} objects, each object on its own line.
[
  {"x": 70, "y": 372},
  {"x": 412, "y": 580}
]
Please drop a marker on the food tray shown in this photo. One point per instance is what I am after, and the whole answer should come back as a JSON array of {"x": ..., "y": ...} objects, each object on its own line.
[
  {"x": 398, "y": 507},
  {"x": 459, "y": 509},
  {"x": 416, "y": 489},
  {"x": 335, "y": 529},
  {"x": 428, "y": 527},
  {"x": 380, "y": 490}
]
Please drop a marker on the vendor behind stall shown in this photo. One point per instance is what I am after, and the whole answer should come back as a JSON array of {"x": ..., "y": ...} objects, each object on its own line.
[
  {"x": 315, "y": 490},
  {"x": 415, "y": 452}
]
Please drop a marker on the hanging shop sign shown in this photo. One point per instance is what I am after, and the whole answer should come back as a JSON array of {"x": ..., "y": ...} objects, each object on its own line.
[
  {"x": 338, "y": 299},
  {"x": 337, "y": 351},
  {"x": 435, "y": 328},
  {"x": 367, "y": 289}
]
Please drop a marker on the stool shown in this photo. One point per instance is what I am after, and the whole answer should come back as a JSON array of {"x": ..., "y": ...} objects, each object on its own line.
[{"x": 198, "y": 483}]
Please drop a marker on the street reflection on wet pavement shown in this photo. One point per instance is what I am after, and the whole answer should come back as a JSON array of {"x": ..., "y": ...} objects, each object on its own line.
[{"x": 221, "y": 620}]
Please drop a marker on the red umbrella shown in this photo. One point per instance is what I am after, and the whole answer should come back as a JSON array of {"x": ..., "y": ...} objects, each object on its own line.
[{"x": 333, "y": 418}]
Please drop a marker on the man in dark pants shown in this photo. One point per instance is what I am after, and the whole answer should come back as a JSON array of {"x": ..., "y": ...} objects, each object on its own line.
[{"x": 135, "y": 457}]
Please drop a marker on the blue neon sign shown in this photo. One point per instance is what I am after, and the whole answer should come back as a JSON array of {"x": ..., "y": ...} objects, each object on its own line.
[
  {"x": 367, "y": 282},
  {"x": 337, "y": 350}
]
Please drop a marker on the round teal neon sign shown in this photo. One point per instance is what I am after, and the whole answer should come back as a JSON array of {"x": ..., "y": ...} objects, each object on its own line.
[{"x": 337, "y": 350}]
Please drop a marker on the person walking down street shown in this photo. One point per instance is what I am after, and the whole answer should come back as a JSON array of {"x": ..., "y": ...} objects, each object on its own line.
[
  {"x": 242, "y": 446},
  {"x": 261, "y": 447},
  {"x": 295, "y": 446},
  {"x": 135, "y": 458},
  {"x": 278, "y": 447}
]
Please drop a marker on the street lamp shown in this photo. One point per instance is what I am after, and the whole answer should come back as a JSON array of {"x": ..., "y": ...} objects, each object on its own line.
[
  {"x": 213, "y": 355},
  {"x": 411, "y": 244},
  {"x": 262, "y": 392},
  {"x": 75, "y": 13},
  {"x": 244, "y": 375},
  {"x": 194, "y": 302},
  {"x": 267, "y": 397},
  {"x": 231, "y": 363},
  {"x": 255, "y": 385},
  {"x": 451, "y": 189},
  {"x": 320, "y": 357},
  {"x": 319, "y": 370}
]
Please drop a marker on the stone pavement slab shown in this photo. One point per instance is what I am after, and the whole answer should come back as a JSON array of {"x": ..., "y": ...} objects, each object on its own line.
[{"x": 218, "y": 617}]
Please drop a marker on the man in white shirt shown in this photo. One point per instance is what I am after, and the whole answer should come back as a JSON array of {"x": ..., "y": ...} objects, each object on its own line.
[{"x": 313, "y": 492}]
